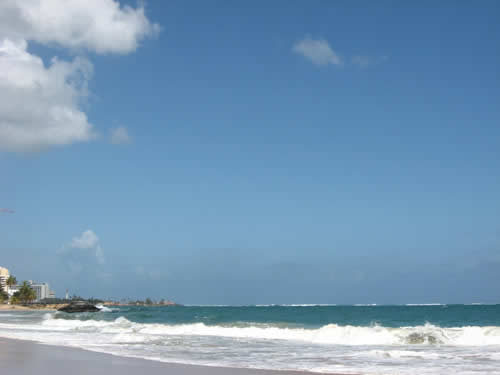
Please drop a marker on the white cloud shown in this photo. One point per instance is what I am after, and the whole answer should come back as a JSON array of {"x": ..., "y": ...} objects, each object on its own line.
[
  {"x": 40, "y": 104},
  {"x": 318, "y": 51},
  {"x": 120, "y": 136},
  {"x": 98, "y": 25},
  {"x": 88, "y": 240}
]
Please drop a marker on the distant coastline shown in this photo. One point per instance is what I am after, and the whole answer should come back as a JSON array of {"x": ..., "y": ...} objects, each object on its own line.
[{"x": 56, "y": 306}]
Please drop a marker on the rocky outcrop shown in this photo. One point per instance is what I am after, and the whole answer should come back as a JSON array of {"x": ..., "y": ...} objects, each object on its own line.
[{"x": 79, "y": 306}]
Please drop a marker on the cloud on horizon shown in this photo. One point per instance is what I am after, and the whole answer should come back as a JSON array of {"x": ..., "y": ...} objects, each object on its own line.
[
  {"x": 40, "y": 104},
  {"x": 317, "y": 51}
]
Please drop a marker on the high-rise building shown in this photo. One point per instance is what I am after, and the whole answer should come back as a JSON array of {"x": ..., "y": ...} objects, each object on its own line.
[
  {"x": 42, "y": 290},
  {"x": 4, "y": 275}
]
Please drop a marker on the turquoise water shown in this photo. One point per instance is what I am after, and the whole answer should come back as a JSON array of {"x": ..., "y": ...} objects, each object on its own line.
[
  {"x": 313, "y": 316},
  {"x": 464, "y": 339}
]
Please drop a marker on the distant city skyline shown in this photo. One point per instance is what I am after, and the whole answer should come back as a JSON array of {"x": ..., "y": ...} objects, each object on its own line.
[
  {"x": 42, "y": 289},
  {"x": 252, "y": 153}
]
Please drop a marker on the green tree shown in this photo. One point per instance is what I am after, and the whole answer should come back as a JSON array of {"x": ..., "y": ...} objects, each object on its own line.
[
  {"x": 148, "y": 301},
  {"x": 11, "y": 281},
  {"x": 15, "y": 298},
  {"x": 26, "y": 293},
  {"x": 3, "y": 295}
]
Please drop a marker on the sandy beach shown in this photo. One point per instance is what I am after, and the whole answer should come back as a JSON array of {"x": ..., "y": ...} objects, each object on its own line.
[
  {"x": 19, "y": 357},
  {"x": 5, "y": 307}
]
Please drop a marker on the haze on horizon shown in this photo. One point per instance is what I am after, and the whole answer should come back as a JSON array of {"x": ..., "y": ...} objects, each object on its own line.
[{"x": 220, "y": 153}]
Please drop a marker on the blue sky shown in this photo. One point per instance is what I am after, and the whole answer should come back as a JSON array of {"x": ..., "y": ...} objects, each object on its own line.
[{"x": 328, "y": 152}]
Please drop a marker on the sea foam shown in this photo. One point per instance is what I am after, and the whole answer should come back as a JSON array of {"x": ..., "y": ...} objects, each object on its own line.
[
  {"x": 427, "y": 334},
  {"x": 426, "y": 349}
]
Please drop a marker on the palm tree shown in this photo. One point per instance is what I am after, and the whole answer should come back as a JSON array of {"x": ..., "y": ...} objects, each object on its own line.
[
  {"x": 15, "y": 298},
  {"x": 11, "y": 281},
  {"x": 3, "y": 295},
  {"x": 26, "y": 293},
  {"x": 31, "y": 295}
]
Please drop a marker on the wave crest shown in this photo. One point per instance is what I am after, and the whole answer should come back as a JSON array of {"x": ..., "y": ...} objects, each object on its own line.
[{"x": 427, "y": 334}]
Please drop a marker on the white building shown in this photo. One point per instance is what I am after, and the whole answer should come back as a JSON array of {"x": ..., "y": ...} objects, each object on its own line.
[
  {"x": 13, "y": 289},
  {"x": 42, "y": 290},
  {"x": 4, "y": 275}
]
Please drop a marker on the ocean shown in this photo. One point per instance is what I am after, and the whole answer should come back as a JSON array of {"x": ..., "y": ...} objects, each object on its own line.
[{"x": 411, "y": 339}]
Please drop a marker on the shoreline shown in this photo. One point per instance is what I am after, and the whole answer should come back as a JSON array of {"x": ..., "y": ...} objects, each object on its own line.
[
  {"x": 5, "y": 307},
  {"x": 23, "y": 357}
]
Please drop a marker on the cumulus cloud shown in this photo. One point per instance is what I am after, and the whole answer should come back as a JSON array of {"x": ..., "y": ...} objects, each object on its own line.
[
  {"x": 40, "y": 103},
  {"x": 120, "y": 136},
  {"x": 89, "y": 243},
  {"x": 318, "y": 51},
  {"x": 98, "y": 25},
  {"x": 87, "y": 240}
]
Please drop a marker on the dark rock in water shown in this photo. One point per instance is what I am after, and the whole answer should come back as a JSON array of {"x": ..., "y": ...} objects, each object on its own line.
[
  {"x": 79, "y": 306},
  {"x": 422, "y": 338}
]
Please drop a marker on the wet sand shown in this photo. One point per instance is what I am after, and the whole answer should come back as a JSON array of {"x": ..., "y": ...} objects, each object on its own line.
[{"x": 18, "y": 357}]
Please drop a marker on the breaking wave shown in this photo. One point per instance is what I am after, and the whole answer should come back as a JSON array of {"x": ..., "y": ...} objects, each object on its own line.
[
  {"x": 427, "y": 334},
  {"x": 103, "y": 308},
  {"x": 470, "y": 347}
]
